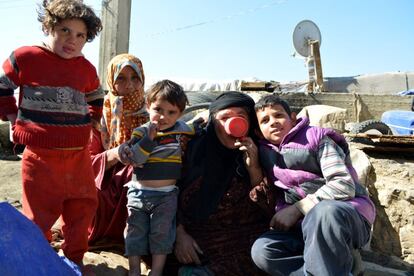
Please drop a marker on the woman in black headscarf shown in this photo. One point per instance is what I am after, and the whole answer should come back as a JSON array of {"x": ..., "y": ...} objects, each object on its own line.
[{"x": 219, "y": 214}]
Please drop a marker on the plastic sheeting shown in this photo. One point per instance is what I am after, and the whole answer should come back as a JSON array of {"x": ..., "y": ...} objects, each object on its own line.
[
  {"x": 389, "y": 83},
  {"x": 25, "y": 251},
  {"x": 382, "y": 84}
]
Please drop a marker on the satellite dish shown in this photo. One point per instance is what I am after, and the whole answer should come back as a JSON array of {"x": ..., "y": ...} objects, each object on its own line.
[{"x": 304, "y": 32}]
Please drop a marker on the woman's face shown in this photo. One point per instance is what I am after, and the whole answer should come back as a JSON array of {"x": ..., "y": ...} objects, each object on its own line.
[
  {"x": 127, "y": 81},
  {"x": 219, "y": 124}
]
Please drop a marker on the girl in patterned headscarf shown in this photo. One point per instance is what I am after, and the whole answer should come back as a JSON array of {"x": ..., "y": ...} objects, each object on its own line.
[
  {"x": 124, "y": 101},
  {"x": 121, "y": 114}
]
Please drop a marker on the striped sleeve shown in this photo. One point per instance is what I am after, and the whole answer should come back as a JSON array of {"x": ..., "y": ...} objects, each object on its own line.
[
  {"x": 139, "y": 132},
  {"x": 95, "y": 99},
  {"x": 8, "y": 83},
  {"x": 142, "y": 150},
  {"x": 339, "y": 183}
]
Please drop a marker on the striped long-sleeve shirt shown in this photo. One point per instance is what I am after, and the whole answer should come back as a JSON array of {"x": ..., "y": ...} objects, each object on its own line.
[
  {"x": 161, "y": 157},
  {"x": 338, "y": 181}
]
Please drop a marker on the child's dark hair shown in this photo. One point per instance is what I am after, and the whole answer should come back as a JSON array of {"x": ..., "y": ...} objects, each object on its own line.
[
  {"x": 53, "y": 12},
  {"x": 272, "y": 100},
  {"x": 168, "y": 91}
]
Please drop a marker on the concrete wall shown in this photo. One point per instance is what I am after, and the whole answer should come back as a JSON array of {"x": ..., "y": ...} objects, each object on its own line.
[{"x": 360, "y": 107}]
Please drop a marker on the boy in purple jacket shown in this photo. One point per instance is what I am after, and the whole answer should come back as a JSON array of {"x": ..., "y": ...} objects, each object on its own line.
[{"x": 323, "y": 215}]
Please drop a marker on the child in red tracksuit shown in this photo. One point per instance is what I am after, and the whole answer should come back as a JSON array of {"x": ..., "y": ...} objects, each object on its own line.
[{"x": 60, "y": 95}]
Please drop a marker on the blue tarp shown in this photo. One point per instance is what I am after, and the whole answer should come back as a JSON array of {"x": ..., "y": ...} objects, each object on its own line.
[{"x": 25, "y": 251}]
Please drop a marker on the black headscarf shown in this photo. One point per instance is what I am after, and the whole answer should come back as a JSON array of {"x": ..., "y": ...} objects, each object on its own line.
[{"x": 207, "y": 157}]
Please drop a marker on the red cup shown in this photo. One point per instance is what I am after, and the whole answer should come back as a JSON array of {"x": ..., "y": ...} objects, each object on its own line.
[{"x": 236, "y": 127}]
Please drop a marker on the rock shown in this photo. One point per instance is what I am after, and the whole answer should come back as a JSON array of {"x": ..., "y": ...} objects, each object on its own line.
[
  {"x": 4, "y": 134},
  {"x": 407, "y": 241},
  {"x": 106, "y": 263},
  {"x": 326, "y": 116},
  {"x": 5, "y": 143},
  {"x": 372, "y": 269},
  {"x": 392, "y": 192}
]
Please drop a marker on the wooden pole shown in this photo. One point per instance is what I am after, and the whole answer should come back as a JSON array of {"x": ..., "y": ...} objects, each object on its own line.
[
  {"x": 318, "y": 64},
  {"x": 311, "y": 72},
  {"x": 114, "y": 40}
]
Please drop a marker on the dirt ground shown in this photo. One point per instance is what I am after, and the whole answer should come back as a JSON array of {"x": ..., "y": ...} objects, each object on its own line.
[
  {"x": 10, "y": 179},
  {"x": 392, "y": 169}
]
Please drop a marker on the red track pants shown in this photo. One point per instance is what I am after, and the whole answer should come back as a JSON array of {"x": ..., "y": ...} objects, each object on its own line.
[{"x": 60, "y": 182}]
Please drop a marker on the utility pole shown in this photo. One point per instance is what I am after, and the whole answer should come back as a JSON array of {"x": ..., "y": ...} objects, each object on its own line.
[{"x": 116, "y": 18}]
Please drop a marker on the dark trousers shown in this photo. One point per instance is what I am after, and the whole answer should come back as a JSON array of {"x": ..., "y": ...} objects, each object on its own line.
[{"x": 323, "y": 244}]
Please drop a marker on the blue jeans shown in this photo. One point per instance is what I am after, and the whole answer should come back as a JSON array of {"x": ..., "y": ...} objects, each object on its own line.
[
  {"x": 321, "y": 246},
  {"x": 151, "y": 222}
]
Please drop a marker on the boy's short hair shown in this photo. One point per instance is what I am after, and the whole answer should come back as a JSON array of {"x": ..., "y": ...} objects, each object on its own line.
[
  {"x": 53, "y": 12},
  {"x": 272, "y": 100},
  {"x": 168, "y": 91}
]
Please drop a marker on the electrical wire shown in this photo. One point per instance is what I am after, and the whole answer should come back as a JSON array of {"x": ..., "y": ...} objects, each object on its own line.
[{"x": 214, "y": 20}]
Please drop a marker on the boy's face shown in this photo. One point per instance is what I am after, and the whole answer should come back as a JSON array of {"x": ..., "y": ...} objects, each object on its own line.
[
  {"x": 275, "y": 123},
  {"x": 163, "y": 113},
  {"x": 68, "y": 38},
  {"x": 127, "y": 81}
]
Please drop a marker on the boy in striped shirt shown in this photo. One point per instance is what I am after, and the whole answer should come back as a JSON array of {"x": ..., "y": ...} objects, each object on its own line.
[{"x": 155, "y": 150}]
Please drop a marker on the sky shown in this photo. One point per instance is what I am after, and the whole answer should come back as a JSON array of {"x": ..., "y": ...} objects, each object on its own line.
[{"x": 244, "y": 39}]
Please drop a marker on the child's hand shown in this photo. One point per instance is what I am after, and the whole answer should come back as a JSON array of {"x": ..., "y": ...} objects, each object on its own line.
[
  {"x": 125, "y": 153},
  {"x": 152, "y": 130}
]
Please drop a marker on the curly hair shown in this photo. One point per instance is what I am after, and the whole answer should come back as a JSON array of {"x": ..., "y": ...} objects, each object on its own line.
[{"x": 53, "y": 12}]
